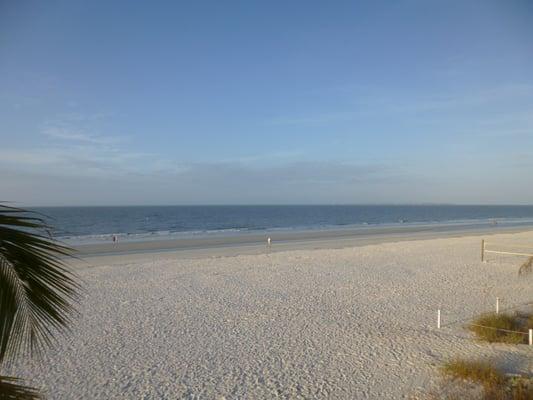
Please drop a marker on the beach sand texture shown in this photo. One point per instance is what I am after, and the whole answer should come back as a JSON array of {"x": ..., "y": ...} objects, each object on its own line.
[{"x": 352, "y": 323}]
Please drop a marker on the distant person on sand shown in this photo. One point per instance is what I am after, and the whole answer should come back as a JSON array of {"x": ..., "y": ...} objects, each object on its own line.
[
  {"x": 269, "y": 243},
  {"x": 115, "y": 239}
]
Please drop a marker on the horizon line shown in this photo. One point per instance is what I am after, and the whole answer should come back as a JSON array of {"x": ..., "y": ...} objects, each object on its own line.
[{"x": 282, "y": 205}]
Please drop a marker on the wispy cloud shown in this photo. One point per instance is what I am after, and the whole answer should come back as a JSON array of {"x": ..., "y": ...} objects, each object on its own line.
[
  {"x": 266, "y": 158},
  {"x": 292, "y": 173},
  {"x": 208, "y": 183},
  {"x": 72, "y": 148},
  {"x": 80, "y": 128},
  {"x": 76, "y": 146},
  {"x": 383, "y": 104},
  {"x": 68, "y": 134},
  {"x": 129, "y": 178},
  {"x": 74, "y": 161},
  {"x": 316, "y": 119}
]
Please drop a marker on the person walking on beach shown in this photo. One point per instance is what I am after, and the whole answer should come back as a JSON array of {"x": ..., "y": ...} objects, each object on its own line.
[
  {"x": 115, "y": 239},
  {"x": 269, "y": 242}
]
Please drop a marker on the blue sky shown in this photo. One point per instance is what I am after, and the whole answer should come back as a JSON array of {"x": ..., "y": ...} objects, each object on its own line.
[{"x": 266, "y": 102}]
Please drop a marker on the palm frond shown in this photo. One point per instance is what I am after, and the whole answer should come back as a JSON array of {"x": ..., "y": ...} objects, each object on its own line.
[
  {"x": 37, "y": 291},
  {"x": 12, "y": 389}
]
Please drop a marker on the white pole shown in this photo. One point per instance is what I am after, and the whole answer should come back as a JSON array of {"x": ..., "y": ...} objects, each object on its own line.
[
  {"x": 438, "y": 319},
  {"x": 497, "y": 305},
  {"x": 531, "y": 337}
]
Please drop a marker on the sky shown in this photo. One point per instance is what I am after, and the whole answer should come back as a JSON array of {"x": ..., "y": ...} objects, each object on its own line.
[{"x": 272, "y": 102}]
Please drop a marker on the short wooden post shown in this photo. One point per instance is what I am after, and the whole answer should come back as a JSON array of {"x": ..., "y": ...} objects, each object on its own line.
[
  {"x": 438, "y": 319},
  {"x": 497, "y": 305},
  {"x": 482, "y": 250},
  {"x": 531, "y": 337}
]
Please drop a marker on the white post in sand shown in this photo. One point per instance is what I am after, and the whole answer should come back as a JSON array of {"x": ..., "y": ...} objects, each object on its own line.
[
  {"x": 531, "y": 337},
  {"x": 497, "y": 305},
  {"x": 438, "y": 319}
]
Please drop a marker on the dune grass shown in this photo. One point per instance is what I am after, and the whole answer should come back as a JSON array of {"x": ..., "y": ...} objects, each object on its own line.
[
  {"x": 496, "y": 386},
  {"x": 520, "y": 391},
  {"x": 481, "y": 372},
  {"x": 506, "y": 322},
  {"x": 529, "y": 322},
  {"x": 527, "y": 267}
]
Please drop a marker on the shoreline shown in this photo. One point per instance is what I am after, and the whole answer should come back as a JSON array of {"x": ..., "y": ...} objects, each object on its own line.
[{"x": 255, "y": 243}]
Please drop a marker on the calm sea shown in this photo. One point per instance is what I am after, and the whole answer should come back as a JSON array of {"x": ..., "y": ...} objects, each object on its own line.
[{"x": 94, "y": 224}]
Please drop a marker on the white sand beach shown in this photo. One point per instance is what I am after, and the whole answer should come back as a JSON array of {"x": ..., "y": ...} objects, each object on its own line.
[{"x": 348, "y": 323}]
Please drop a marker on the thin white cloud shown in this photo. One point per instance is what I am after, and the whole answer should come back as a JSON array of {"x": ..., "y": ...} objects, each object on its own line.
[
  {"x": 73, "y": 149},
  {"x": 382, "y": 104},
  {"x": 80, "y": 128},
  {"x": 62, "y": 133},
  {"x": 315, "y": 119},
  {"x": 235, "y": 183},
  {"x": 76, "y": 161},
  {"x": 27, "y": 158},
  {"x": 266, "y": 158}
]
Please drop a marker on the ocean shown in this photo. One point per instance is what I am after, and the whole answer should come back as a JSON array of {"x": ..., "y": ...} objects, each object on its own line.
[{"x": 138, "y": 223}]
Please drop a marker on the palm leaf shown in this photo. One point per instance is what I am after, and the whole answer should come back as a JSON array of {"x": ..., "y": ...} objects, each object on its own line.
[
  {"x": 11, "y": 389},
  {"x": 37, "y": 292}
]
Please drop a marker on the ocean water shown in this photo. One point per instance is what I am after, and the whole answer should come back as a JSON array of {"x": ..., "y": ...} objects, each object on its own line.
[{"x": 95, "y": 224}]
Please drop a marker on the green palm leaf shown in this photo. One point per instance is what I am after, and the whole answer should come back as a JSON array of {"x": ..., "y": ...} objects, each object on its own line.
[{"x": 37, "y": 292}]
